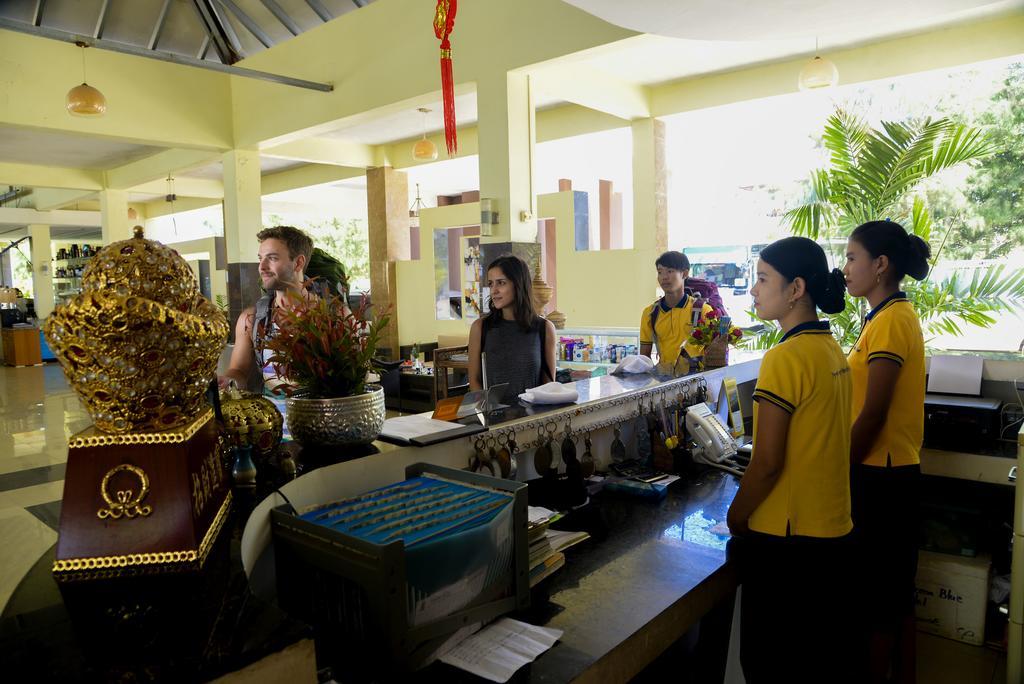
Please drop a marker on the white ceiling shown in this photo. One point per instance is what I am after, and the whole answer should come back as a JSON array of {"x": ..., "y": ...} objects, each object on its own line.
[
  {"x": 709, "y": 36},
  {"x": 215, "y": 170},
  {"x": 408, "y": 123},
  {"x": 662, "y": 56},
  {"x": 732, "y": 20},
  {"x": 11, "y": 232},
  {"x": 29, "y": 146}
]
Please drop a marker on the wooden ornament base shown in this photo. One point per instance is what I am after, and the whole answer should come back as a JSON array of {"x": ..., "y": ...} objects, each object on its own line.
[{"x": 141, "y": 503}]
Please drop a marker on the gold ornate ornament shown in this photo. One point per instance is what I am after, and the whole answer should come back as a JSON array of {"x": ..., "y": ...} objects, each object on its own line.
[
  {"x": 251, "y": 420},
  {"x": 139, "y": 344},
  {"x": 127, "y": 503},
  {"x": 92, "y": 437}
]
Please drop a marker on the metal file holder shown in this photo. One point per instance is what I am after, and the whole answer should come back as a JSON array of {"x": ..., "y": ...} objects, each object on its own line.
[{"x": 354, "y": 592}]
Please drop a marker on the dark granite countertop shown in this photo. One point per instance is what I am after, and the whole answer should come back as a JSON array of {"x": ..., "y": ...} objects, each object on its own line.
[{"x": 648, "y": 574}]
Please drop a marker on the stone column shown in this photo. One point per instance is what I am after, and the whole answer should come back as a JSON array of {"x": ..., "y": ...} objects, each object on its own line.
[
  {"x": 243, "y": 219},
  {"x": 114, "y": 215},
  {"x": 650, "y": 198},
  {"x": 42, "y": 269},
  {"x": 387, "y": 204}
]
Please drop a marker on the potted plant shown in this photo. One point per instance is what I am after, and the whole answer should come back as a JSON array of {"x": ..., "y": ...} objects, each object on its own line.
[
  {"x": 322, "y": 353},
  {"x": 715, "y": 334}
]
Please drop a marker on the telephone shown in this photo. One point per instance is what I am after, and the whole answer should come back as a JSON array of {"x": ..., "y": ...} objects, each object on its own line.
[{"x": 714, "y": 444}]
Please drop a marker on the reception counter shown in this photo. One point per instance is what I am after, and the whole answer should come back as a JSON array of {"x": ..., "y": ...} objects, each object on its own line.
[
  {"x": 604, "y": 402},
  {"x": 647, "y": 575},
  {"x": 651, "y": 570}
]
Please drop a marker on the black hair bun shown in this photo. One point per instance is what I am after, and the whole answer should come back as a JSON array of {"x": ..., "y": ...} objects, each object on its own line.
[
  {"x": 917, "y": 257},
  {"x": 827, "y": 290}
]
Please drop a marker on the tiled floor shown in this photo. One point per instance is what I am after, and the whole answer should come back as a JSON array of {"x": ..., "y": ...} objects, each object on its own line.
[
  {"x": 38, "y": 412},
  {"x": 943, "y": 661}
]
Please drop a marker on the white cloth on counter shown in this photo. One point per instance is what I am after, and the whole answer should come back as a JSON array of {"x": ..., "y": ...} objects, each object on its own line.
[
  {"x": 551, "y": 393},
  {"x": 634, "y": 363}
]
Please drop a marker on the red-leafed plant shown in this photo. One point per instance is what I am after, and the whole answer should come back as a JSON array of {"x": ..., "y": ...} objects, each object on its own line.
[{"x": 322, "y": 349}]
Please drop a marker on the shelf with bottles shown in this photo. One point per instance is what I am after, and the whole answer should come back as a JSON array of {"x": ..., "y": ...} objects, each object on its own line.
[
  {"x": 69, "y": 262},
  {"x": 596, "y": 346},
  {"x": 75, "y": 252}
]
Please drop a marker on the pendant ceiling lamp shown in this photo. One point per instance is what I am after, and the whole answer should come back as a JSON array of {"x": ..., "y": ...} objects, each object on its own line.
[
  {"x": 818, "y": 73},
  {"x": 84, "y": 100},
  {"x": 414, "y": 210},
  {"x": 424, "y": 150}
]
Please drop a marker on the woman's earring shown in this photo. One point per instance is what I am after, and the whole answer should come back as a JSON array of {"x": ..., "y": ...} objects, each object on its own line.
[
  {"x": 791, "y": 305},
  {"x": 878, "y": 278}
]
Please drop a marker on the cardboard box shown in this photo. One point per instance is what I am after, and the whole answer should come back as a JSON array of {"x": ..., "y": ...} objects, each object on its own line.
[{"x": 951, "y": 596}]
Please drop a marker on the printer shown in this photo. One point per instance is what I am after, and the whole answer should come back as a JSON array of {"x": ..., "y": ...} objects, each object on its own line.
[{"x": 961, "y": 423}]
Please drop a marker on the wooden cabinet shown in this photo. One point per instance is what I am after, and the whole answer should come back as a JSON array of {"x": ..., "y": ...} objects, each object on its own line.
[{"x": 21, "y": 346}]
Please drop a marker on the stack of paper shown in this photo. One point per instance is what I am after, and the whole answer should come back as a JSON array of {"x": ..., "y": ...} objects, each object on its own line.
[{"x": 546, "y": 545}]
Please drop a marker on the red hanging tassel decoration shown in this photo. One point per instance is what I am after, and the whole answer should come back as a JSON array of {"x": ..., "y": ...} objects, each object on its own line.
[{"x": 444, "y": 22}]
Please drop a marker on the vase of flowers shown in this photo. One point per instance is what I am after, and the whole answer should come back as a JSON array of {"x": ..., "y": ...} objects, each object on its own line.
[
  {"x": 715, "y": 334},
  {"x": 322, "y": 352}
]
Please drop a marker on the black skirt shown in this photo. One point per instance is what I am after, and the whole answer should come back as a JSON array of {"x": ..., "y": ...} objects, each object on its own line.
[
  {"x": 796, "y": 611},
  {"x": 886, "y": 519}
]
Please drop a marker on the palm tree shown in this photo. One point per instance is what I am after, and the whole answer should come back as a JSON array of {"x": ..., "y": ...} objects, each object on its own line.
[{"x": 872, "y": 175}]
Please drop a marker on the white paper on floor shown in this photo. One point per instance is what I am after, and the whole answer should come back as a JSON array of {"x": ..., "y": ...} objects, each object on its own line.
[{"x": 498, "y": 650}]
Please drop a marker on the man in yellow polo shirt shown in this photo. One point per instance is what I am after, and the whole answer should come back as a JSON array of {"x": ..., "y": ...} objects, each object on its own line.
[{"x": 667, "y": 322}]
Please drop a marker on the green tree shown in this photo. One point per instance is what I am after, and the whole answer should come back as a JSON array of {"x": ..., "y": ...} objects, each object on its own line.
[
  {"x": 996, "y": 189},
  {"x": 347, "y": 241},
  {"x": 875, "y": 174}
]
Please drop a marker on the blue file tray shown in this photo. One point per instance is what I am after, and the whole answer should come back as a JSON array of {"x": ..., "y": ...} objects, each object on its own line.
[{"x": 382, "y": 594}]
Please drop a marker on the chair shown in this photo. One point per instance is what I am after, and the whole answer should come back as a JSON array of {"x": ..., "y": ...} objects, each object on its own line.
[
  {"x": 445, "y": 359},
  {"x": 390, "y": 380}
]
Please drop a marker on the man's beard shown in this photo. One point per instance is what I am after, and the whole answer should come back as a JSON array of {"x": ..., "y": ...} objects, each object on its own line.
[{"x": 278, "y": 283}]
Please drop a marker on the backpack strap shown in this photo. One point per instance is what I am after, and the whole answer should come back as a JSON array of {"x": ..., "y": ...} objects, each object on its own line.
[
  {"x": 655, "y": 311},
  {"x": 261, "y": 323},
  {"x": 264, "y": 311},
  {"x": 698, "y": 307}
]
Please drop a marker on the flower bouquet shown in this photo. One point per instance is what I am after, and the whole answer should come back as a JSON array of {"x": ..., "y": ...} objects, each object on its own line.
[{"x": 715, "y": 334}]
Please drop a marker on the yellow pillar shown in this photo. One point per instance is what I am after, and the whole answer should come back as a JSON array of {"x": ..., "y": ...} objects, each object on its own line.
[
  {"x": 114, "y": 215},
  {"x": 650, "y": 194},
  {"x": 387, "y": 204},
  {"x": 243, "y": 219},
  {"x": 243, "y": 208},
  {"x": 507, "y": 135},
  {"x": 42, "y": 269}
]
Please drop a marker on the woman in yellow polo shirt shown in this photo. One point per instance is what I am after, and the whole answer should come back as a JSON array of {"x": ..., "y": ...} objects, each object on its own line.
[
  {"x": 791, "y": 514},
  {"x": 887, "y": 367}
]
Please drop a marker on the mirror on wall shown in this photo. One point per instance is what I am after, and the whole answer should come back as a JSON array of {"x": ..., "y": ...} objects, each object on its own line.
[{"x": 458, "y": 277}]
